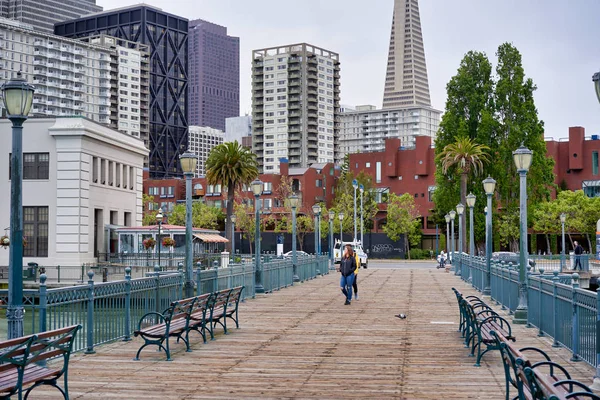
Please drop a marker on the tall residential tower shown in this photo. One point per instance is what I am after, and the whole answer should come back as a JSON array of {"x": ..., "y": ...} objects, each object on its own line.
[
  {"x": 295, "y": 103},
  {"x": 214, "y": 74},
  {"x": 43, "y": 14},
  {"x": 406, "y": 82}
]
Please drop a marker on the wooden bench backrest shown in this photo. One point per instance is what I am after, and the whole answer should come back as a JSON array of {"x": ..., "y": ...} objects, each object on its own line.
[
  {"x": 179, "y": 309},
  {"x": 235, "y": 295},
  {"x": 221, "y": 298},
  {"x": 14, "y": 352},
  {"x": 201, "y": 304},
  {"x": 53, "y": 343}
]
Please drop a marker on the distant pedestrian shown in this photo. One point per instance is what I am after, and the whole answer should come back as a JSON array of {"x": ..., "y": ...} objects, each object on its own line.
[
  {"x": 578, "y": 252},
  {"x": 347, "y": 268}
]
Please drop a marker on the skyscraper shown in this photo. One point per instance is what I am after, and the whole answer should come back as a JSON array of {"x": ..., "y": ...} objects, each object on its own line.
[
  {"x": 167, "y": 38},
  {"x": 43, "y": 14},
  {"x": 406, "y": 77},
  {"x": 214, "y": 74},
  {"x": 295, "y": 103},
  {"x": 407, "y": 111}
]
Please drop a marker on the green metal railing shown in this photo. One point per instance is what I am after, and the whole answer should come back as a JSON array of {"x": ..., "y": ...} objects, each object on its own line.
[
  {"x": 557, "y": 306},
  {"x": 110, "y": 311}
]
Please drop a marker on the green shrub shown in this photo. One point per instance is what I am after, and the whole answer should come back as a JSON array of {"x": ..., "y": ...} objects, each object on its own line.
[{"x": 419, "y": 254}]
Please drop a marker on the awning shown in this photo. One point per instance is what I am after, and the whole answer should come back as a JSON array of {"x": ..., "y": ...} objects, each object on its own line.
[{"x": 211, "y": 237}]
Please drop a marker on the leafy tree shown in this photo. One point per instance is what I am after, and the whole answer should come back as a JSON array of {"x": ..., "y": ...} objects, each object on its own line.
[
  {"x": 469, "y": 114},
  {"x": 231, "y": 165},
  {"x": 403, "y": 219},
  {"x": 468, "y": 158},
  {"x": 304, "y": 225},
  {"x": 148, "y": 216},
  {"x": 518, "y": 124},
  {"x": 344, "y": 202},
  {"x": 203, "y": 216},
  {"x": 245, "y": 222},
  {"x": 508, "y": 229}
]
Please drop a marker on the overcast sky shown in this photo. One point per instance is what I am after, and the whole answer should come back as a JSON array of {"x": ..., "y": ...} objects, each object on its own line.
[{"x": 558, "y": 40}]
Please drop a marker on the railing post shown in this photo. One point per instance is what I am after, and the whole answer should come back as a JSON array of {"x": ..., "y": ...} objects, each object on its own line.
[
  {"x": 58, "y": 270},
  {"x": 501, "y": 293},
  {"x": 575, "y": 327},
  {"x": 540, "y": 331},
  {"x": 42, "y": 308},
  {"x": 527, "y": 281},
  {"x": 198, "y": 278},
  {"x": 90, "y": 314},
  {"x": 181, "y": 280},
  {"x": 596, "y": 385},
  {"x": 555, "y": 308},
  {"x": 510, "y": 298},
  {"x": 157, "y": 291},
  {"x": 127, "y": 305}
]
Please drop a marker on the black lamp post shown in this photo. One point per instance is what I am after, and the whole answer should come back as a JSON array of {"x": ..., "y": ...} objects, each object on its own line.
[
  {"x": 489, "y": 186},
  {"x": 159, "y": 219},
  {"x": 188, "y": 162},
  {"x": 471, "y": 203},
  {"x": 18, "y": 97},
  {"x": 294, "y": 202}
]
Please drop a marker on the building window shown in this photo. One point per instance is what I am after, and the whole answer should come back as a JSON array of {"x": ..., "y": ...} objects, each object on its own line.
[
  {"x": 35, "y": 229},
  {"x": 378, "y": 172},
  {"x": 594, "y": 163},
  {"x": 35, "y": 165},
  {"x": 267, "y": 186}
]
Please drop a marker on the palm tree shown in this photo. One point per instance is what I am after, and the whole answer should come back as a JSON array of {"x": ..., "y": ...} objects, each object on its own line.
[
  {"x": 231, "y": 165},
  {"x": 467, "y": 156}
]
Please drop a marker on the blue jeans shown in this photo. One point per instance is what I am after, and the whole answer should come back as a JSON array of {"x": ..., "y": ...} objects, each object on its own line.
[{"x": 346, "y": 285}]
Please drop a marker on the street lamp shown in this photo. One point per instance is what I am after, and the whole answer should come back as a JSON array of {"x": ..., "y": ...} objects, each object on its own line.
[
  {"x": 362, "y": 189},
  {"x": 257, "y": 188},
  {"x": 18, "y": 97},
  {"x": 452, "y": 214},
  {"x": 460, "y": 209},
  {"x": 233, "y": 221},
  {"x": 563, "y": 218},
  {"x": 471, "y": 204},
  {"x": 294, "y": 201},
  {"x": 355, "y": 186},
  {"x": 317, "y": 212},
  {"x": 522, "y": 157},
  {"x": 159, "y": 219},
  {"x": 331, "y": 218},
  {"x": 188, "y": 162},
  {"x": 489, "y": 186},
  {"x": 447, "y": 218},
  {"x": 341, "y": 218}
]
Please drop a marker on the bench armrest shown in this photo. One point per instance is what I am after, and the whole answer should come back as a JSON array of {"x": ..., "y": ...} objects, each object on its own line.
[
  {"x": 582, "y": 395},
  {"x": 552, "y": 365},
  {"x": 535, "y": 349},
  {"x": 571, "y": 385},
  {"x": 161, "y": 319}
]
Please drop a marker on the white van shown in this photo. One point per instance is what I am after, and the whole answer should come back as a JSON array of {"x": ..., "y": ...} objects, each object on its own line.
[{"x": 357, "y": 246}]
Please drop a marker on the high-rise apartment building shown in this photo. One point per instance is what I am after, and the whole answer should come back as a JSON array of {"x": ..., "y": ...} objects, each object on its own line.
[
  {"x": 76, "y": 78},
  {"x": 237, "y": 128},
  {"x": 201, "y": 141},
  {"x": 406, "y": 83},
  {"x": 295, "y": 102},
  {"x": 166, "y": 36},
  {"x": 214, "y": 78},
  {"x": 365, "y": 129},
  {"x": 43, "y": 14}
]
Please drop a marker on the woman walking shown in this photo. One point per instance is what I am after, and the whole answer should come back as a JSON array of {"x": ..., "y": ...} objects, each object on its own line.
[{"x": 347, "y": 268}]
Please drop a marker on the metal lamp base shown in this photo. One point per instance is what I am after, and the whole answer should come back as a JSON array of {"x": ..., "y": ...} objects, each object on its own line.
[{"x": 520, "y": 316}]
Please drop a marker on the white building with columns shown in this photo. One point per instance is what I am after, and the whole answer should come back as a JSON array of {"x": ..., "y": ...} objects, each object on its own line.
[{"x": 81, "y": 180}]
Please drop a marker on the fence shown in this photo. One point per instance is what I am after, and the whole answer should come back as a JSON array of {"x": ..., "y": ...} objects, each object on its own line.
[
  {"x": 557, "y": 306},
  {"x": 110, "y": 311}
]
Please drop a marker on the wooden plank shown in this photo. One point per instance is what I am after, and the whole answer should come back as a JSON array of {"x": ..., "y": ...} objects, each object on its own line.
[{"x": 302, "y": 342}]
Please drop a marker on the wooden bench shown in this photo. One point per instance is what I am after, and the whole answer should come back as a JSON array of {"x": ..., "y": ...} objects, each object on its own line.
[
  {"x": 478, "y": 320},
  {"x": 539, "y": 385},
  {"x": 23, "y": 362},
  {"x": 225, "y": 305},
  {"x": 156, "y": 328}
]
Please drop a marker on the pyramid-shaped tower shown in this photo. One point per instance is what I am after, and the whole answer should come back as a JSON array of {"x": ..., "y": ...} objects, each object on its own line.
[{"x": 406, "y": 82}]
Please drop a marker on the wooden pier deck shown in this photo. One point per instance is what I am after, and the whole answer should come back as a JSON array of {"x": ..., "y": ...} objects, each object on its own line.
[{"x": 303, "y": 343}]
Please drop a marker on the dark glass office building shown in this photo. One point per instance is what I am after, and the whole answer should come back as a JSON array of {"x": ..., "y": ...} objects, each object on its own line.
[
  {"x": 214, "y": 74},
  {"x": 167, "y": 37},
  {"x": 43, "y": 14}
]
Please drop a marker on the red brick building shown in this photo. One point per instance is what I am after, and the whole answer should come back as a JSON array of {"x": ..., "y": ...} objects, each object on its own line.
[{"x": 314, "y": 184}]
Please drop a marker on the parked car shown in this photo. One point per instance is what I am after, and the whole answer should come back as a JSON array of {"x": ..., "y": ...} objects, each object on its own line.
[
  {"x": 357, "y": 246},
  {"x": 509, "y": 256},
  {"x": 299, "y": 253}
]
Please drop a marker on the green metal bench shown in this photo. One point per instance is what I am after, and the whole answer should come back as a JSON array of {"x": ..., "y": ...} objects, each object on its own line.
[
  {"x": 225, "y": 306},
  {"x": 23, "y": 362}
]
